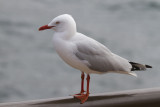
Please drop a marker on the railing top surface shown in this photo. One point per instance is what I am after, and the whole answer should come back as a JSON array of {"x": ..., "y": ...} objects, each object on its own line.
[{"x": 130, "y": 98}]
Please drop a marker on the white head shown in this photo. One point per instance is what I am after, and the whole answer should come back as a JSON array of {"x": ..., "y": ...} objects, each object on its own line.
[{"x": 63, "y": 23}]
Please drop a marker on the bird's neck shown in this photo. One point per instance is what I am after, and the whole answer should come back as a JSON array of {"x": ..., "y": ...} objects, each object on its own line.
[{"x": 65, "y": 35}]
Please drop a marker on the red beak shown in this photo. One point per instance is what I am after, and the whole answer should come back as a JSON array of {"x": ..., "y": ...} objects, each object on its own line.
[{"x": 45, "y": 27}]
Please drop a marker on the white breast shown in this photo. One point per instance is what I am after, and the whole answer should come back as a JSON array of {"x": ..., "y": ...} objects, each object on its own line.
[{"x": 66, "y": 50}]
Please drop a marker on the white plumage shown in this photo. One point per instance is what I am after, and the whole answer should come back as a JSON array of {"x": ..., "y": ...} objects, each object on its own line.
[{"x": 85, "y": 53}]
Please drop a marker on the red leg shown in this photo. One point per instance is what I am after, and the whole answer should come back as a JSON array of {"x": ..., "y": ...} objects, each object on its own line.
[
  {"x": 84, "y": 97},
  {"x": 82, "y": 85},
  {"x": 88, "y": 80}
]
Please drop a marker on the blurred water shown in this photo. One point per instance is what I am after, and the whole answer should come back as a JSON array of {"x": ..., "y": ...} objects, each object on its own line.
[{"x": 30, "y": 67}]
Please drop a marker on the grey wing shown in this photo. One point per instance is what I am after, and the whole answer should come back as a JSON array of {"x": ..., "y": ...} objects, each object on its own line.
[{"x": 99, "y": 57}]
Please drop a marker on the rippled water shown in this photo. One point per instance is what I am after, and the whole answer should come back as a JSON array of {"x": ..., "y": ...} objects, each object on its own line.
[{"x": 30, "y": 67}]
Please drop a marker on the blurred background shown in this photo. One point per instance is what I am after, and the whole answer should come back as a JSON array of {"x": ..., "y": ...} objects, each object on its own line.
[{"x": 31, "y": 69}]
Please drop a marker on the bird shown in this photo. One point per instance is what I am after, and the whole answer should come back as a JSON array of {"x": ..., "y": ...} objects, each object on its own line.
[{"x": 86, "y": 54}]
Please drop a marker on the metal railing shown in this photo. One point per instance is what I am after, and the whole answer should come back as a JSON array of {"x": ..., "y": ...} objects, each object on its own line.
[{"x": 131, "y": 98}]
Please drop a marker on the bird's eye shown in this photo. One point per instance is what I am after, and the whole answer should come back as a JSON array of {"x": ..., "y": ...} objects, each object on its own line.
[{"x": 57, "y": 22}]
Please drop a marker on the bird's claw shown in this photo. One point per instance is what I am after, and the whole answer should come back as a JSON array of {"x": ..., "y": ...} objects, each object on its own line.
[{"x": 82, "y": 97}]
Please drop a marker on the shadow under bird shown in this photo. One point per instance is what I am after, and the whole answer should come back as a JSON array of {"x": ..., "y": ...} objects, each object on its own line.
[{"x": 86, "y": 54}]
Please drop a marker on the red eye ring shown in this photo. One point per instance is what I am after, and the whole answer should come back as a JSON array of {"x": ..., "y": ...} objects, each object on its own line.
[{"x": 57, "y": 22}]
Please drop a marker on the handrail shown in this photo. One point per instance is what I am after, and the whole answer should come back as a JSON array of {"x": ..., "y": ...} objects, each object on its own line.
[{"x": 130, "y": 98}]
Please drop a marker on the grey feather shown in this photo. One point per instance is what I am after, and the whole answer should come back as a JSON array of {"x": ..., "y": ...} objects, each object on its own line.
[{"x": 99, "y": 57}]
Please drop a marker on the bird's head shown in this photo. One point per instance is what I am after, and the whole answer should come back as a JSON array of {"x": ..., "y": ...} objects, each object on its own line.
[{"x": 62, "y": 23}]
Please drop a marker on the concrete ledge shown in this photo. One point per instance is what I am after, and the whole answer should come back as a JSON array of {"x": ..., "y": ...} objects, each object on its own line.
[{"x": 131, "y": 98}]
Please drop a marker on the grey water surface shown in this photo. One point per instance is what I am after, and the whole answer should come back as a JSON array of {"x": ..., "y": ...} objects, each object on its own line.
[{"x": 31, "y": 69}]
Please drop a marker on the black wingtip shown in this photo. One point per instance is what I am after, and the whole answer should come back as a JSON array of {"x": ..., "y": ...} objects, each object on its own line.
[{"x": 148, "y": 66}]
